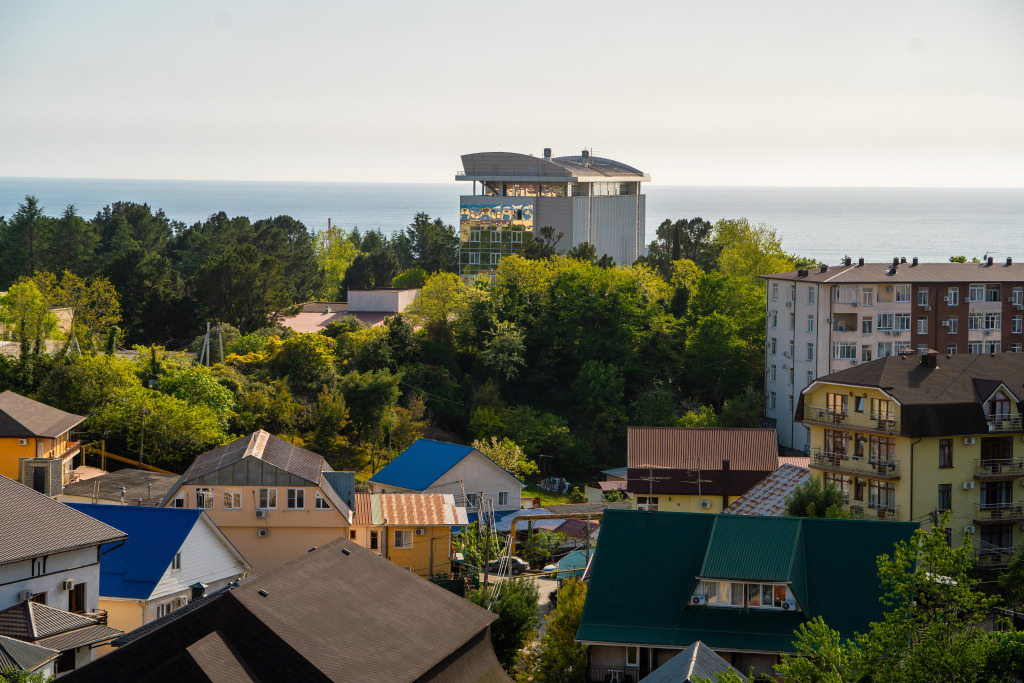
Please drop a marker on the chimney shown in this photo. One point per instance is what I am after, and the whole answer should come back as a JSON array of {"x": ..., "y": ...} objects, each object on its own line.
[
  {"x": 895, "y": 261},
  {"x": 1009, "y": 261},
  {"x": 585, "y": 154},
  {"x": 914, "y": 262},
  {"x": 847, "y": 261},
  {"x": 990, "y": 260},
  {"x": 930, "y": 359},
  {"x": 903, "y": 259},
  {"x": 860, "y": 261},
  {"x": 824, "y": 268},
  {"x": 547, "y": 152}
]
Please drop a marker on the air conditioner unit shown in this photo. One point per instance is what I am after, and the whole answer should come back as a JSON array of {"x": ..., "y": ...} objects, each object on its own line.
[
  {"x": 705, "y": 505},
  {"x": 969, "y": 529},
  {"x": 853, "y": 361},
  {"x": 968, "y": 440},
  {"x": 856, "y": 303},
  {"x": 420, "y": 532},
  {"x": 698, "y": 600},
  {"x": 945, "y": 299},
  {"x": 22, "y": 442},
  {"x": 888, "y": 332},
  {"x": 830, "y": 320},
  {"x": 261, "y": 513},
  {"x": 261, "y": 533},
  {"x": 968, "y": 485},
  {"x": 785, "y": 354},
  {"x": 24, "y": 595},
  {"x": 67, "y": 584},
  {"x": 182, "y": 601},
  {"x": 927, "y": 307},
  {"x": 898, "y": 332},
  {"x": 789, "y": 606},
  {"x": 945, "y": 323},
  {"x": 988, "y": 332}
]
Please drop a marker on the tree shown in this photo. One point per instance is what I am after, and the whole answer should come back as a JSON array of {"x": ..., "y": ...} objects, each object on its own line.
[
  {"x": 244, "y": 287},
  {"x": 541, "y": 243},
  {"x": 376, "y": 268},
  {"x": 504, "y": 349},
  {"x": 22, "y": 241},
  {"x": 577, "y": 496},
  {"x": 196, "y": 386},
  {"x": 71, "y": 243},
  {"x": 441, "y": 300},
  {"x": 370, "y": 398},
  {"x": 584, "y": 251},
  {"x": 24, "y": 311},
  {"x": 412, "y": 278},
  {"x": 693, "y": 240},
  {"x": 810, "y": 499},
  {"x": 749, "y": 251},
  {"x": 559, "y": 658},
  {"x": 434, "y": 244},
  {"x": 330, "y": 417},
  {"x": 515, "y": 603},
  {"x": 93, "y": 303},
  {"x": 334, "y": 253},
  {"x": 718, "y": 363},
  {"x": 507, "y": 455},
  {"x": 475, "y": 546}
]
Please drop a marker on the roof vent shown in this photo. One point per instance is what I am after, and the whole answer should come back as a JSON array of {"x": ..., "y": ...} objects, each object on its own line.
[
  {"x": 1009, "y": 261},
  {"x": 263, "y": 592},
  {"x": 895, "y": 261},
  {"x": 990, "y": 260},
  {"x": 860, "y": 261},
  {"x": 914, "y": 262},
  {"x": 585, "y": 154},
  {"x": 824, "y": 268},
  {"x": 547, "y": 152},
  {"x": 903, "y": 259}
]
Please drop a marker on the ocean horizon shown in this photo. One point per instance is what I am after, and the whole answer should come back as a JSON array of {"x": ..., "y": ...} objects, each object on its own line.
[{"x": 826, "y": 223}]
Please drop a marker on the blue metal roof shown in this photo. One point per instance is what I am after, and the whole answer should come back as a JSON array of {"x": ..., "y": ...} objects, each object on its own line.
[
  {"x": 155, "y": 535},
  {"x": 421, "y": 464}
]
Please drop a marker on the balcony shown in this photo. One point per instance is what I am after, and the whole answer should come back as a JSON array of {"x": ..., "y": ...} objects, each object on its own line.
[
  {"x": 999, "y": 469},
  {"x": 875, "y": 513},
  {"x": 862, "y": 421},
  {"x": 623, "y": 674},
  {"x": 991, "y": 513},
  {"x": 872, "y": 468},
  {"x": 996, "y": 557},
  {"x": 1004, "y": 423}
]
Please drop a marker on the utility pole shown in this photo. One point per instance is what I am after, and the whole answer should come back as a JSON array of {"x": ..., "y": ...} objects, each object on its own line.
[
  {"x": 588, "y": 540},
  {"x": 487, "y": 539}
]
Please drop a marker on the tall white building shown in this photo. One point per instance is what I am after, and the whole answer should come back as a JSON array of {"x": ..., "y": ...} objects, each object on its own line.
[{"x": 826, "y": 319}]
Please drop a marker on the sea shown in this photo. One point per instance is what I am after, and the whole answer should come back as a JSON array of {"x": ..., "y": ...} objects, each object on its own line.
[{"x": 823, "y": 223}]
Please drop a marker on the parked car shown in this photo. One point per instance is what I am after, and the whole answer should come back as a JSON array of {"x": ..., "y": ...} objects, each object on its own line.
[{"x": 515, "y": 564}]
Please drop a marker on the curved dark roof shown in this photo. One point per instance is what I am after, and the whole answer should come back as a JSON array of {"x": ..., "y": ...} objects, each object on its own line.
[{"x": 595, "y": 165}]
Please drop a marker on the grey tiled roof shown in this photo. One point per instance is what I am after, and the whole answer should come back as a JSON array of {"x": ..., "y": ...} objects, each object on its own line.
[
  {"x": 88, "y": 635},
  {"x": 33, "y": 525},
  {"x": 17, "y": 654},
  {"x": 137, "y": 484},
  {"x": 696, "y": 660},
  {"x": 263, "y": 445},
  {"x": 52, "y": 628},
  {"x": 21, "y": 416}
]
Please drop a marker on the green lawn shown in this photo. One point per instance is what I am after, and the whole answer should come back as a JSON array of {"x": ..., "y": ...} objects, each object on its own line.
[{"x": 546, "y": 497}]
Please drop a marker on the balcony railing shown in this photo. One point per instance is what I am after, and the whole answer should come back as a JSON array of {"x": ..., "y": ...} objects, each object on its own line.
[
  {"x": 622, "y": 674},
  {"x": 1004, "y": 423},
  {"x": 998, "y": 512},
  {"x": 1010, "y": 468},
  {"x": 868, "y": 512},
  {"x": 870, "y": 422},
  {"x": 996, "y": 557},
  {"x": 851, "y": 464}
]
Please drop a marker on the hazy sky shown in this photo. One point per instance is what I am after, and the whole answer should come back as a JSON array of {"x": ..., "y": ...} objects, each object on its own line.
[{"x": 751, "y": 92}]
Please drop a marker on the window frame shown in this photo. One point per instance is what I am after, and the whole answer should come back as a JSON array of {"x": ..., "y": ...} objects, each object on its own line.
[
  {"x": 236, "y": 497},
  {"x": 206, "y": 494},
  {"x": 507, "y": 496},
  {"x": 901, "y": 294},
  {"x": 266, "y": 496},
  {"x": 320, "y": 502},
  {"x": 403, "y": 545},
  {"x": 945, "y": 453},
  {"x": 295, "y": 499}
]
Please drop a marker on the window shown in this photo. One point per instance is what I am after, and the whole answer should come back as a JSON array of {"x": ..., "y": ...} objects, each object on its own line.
[
  {"x": 495, "y": 259},
  {"x": 775, "y": 291},
  {"x": 902, "y": 321},
  {"x": 1015, "y": 348},
  {"x": 993, "y": 347},
  {"x": 517, "y": 237},
  {"x": 836, "y": 404},
  {"x": 922, "y": 296},
  {"x": 951, "y": 349},
  {"x": 474, "y": 235},
  {"x": 1016, "y": 324},
  {"x": 772, "y": 373},
  {"x": 771, "y": 401},
  {"x": 841, "y": 482},
  {"x": 882, "y": 495},
  {"x": 865, "y": 325},
  {"x": 791, "y": 346},
  {"x": 791, "y": 377},
  {"x": 945, "y": 497},
  {"x": 922, "y": 325},
  {"x": 810, "y": 324},
  {"x": 374, "y": 542},
  {"x": 204, "y": 498},
  {"x": 810, "y": 295},
  {"x": 268, "y": 499},
  {"x": 735, "y": 594},
  {"x": 974, "y": 347},
  {"x": 976, "y": 292},
  {"x": 176, "y": 562},
  {"x": 502, "y": 497},
  {"x": 76, "y": 600},
  {"x": 945, "y": 452},
  {"x": 885, "y": 321},
  {"x": 810, "y": 351},
  {"x": 474, "y": 258},
  {"x": 773, "y": 319},
  {"x": 403, "y": 539},
  {"x": 320, "y": 503},
  {"x": 773, "y": 345},
  {"x": 922, "y": 349},
  {"x": 865, "y": 353},
  {"x": 495, "y": 235},
  {"x": 1017, "y": 297},
  {"x": 992, "y": 293},
  {"x": 902, "y": 293},
  {"x": 974, "y": 321},
  {"x": 845, "y": 294},
  {"x": 954, "y": 324},
  {"x": 867, "y": 297},
  {"x": 844, "y": 350},
  {"x": 953, "y": 296},
  {"x": 792, "y": 293},
  {"x": 858, "y": 488},
  {"x": 900, "y": 345},
  {"x": 884, "y": 349},
  {"x": 472, "y": 500},
  {"x": 179, "y": 501},
  {"x": 163, "y": 610},
  {"x": 232, "y": 500},
  {"x": 881, "y": 409},
  {"x": 792, "y": 322},
  {"x": 296, "y": 499},
  {"x": 810, "y": 377},
  {"x": 632, "y": 656},
  {"x": 645, "y": 503},
  {"x": 993, "y": 321}
]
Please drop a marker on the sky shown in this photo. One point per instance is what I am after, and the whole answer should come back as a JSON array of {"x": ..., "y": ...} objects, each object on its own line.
[{"x": 727, "y": 93}]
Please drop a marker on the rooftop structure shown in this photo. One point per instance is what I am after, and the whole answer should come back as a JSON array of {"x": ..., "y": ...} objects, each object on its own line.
[
  {"x": 768, "y": 496},
  {"x": 586, "y": 198},
  {"x": 338, "y": 612},
  {"x": 825, "y": 319},
  {"x": 127, "y": 486}
]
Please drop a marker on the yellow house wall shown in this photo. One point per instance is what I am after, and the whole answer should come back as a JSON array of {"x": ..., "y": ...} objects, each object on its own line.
[
  {"x": 917, "y": 489},
  {"x": 11, "y": 452},
  {"x": 418, "y": 557},
  {"x": 688, "y": 503},
  {"x": 125, "y": 615}
]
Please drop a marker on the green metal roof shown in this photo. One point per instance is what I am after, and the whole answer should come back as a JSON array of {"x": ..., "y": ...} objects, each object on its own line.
[{"x": 649, "y": 563}]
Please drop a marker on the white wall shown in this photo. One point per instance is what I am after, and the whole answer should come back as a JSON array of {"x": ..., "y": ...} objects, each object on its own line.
[
  {"x": 205, "y": 558},
  {"x": 380, "y": 300},
  {"x": 479, "y": 474},
  {"x": 79, "y": 565}
]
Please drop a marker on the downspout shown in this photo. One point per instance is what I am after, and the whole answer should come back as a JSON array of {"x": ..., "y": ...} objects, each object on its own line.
[{"x": 912, "y": 444}]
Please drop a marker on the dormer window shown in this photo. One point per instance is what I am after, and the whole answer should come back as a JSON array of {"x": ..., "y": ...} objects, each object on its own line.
[{"x": 745, "y": 594}]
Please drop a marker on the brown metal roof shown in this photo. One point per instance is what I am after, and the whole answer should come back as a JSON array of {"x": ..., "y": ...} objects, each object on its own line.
[
  {"x": 263, "y": 445},
  {"x": 21, "y": 416},
  {"x": 88, "y": 635},
  {"x": 768, "y": 496},
  {"x": 52, "y": 628},
  {"x": 33, "y": 525},
  {"x": 408, "y": 509},
  {"x": 907, "y": 272},
  {"x": 679, "y": 448}
]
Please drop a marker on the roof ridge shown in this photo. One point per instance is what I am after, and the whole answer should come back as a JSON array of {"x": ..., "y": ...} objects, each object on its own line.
[
  {"x": 693, "y": 660},
  {"x": 31, "y": 618}
]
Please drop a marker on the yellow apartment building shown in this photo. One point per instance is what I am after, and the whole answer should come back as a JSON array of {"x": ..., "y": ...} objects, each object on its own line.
[
  {"x": 413, "y": 530},
  {"x": 274, "y": 501},
  {"x": 36, "y": 446},
  {"x": 910, "y": 436}
]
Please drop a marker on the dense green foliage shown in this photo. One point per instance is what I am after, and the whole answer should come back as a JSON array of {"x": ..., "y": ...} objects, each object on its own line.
[
  {"x": 558, "y": 658},
  {"x": 515, "y": 603},
  {"x": 811, "y": 499}
]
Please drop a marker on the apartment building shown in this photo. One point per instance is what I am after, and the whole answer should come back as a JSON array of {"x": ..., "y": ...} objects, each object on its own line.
[
  {"x": 586, "y": 198},
  {"x": 830, "y": 318},
  {"x": 908, "y": 437}
]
